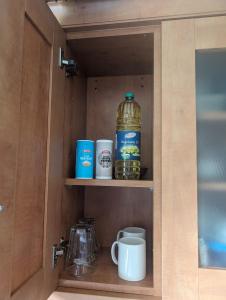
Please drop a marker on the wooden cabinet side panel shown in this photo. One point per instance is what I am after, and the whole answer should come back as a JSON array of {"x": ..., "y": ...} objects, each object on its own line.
[
  {"x": 157, "y": 150},
  {"x": 54, "y": 184},
  {"x": 179, "y": 174},
  {"x": 74, "y": 129},
  {"x": 11, "y": 49}
]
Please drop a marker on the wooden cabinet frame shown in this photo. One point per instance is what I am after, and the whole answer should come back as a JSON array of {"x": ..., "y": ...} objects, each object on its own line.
[{"x": 98, "y": 14}]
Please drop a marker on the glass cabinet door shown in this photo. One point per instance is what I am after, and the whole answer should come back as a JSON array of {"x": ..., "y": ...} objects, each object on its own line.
[
  {"x": 211, "y": 156},
  {"x": 194, "y": 158}
]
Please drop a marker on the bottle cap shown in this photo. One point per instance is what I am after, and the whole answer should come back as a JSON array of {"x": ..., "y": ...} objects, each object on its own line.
[{"x": 129, "y": 95}]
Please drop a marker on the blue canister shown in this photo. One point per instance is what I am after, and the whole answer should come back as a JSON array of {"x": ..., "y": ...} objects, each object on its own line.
[{"x": 84, "y": 159}]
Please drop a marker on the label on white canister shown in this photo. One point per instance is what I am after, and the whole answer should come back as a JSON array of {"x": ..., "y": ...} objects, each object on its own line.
[{"x": 104, "y": 159}]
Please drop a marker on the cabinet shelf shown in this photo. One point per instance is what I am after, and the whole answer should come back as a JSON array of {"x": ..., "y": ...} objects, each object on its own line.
[
  {"x": 104, "y": 277},
  {"x": 110, "y": 183},
  {"x": 213, "y": 186},
  {"x": 215, "y": 116}
]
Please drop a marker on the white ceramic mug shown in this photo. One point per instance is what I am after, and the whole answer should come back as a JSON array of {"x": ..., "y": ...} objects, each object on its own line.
[
  {"x": 132, "y": 232},
  {"x": 131, "y": 258}
]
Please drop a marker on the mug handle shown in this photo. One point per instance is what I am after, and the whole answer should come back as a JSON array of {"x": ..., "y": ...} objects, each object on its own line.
[
  {"x": 113, "y": 252},
  {"x": 118, "y": 234}
]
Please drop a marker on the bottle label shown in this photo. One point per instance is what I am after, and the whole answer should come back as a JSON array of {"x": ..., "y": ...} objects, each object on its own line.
[{"x": 127, "y": 146}]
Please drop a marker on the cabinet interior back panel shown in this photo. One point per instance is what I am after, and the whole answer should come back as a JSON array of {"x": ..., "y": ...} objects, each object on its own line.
[
  {"x": 117, "y": 208},
  {"x": 103, "y": 97},
  {"x": 32, "y": 152}
]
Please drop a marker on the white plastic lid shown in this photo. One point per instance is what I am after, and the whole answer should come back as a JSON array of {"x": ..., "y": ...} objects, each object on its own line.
[
  {"x": 104, "y": 141},
  {"x": 85, "y": 141}
]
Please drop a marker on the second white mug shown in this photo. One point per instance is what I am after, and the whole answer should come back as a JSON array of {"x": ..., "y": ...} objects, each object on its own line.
[{"x": 132, "y": 232}]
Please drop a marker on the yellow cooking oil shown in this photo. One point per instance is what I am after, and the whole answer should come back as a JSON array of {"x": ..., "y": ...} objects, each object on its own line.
[{"x": 128, "y": 139}]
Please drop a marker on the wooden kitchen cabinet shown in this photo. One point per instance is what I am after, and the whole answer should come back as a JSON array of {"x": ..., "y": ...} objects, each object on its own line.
[
  {"x": 42, "y": 115},
  {"x": 48, "y": 113}
]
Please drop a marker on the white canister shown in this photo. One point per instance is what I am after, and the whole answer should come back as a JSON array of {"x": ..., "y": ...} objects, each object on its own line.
[
  {"x": 104, "y": 159},
  {"x": 131, "y": 258},
  {"x": 132, "y": 232}
]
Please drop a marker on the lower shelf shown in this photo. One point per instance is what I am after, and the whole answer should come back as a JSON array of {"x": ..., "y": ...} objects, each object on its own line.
[{"x": 104, "y": 277}]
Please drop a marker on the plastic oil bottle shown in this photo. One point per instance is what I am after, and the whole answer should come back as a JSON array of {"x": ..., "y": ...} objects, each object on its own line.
[{"x": 127, "y": 145}]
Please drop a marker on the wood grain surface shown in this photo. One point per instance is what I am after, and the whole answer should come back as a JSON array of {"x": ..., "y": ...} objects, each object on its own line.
[
  {"x": 31, "y": 171},
  {"x": 89, "y": 14},
  {"x": 157, "y": 167},
  {"x": 54, "y": 171},
  {"x": 113, "y": 182},
  {"x": 116, "y": 208},
  {"x": 115, "y": 55},
  {"x": 179, "y": 169},
  {"x": 104, "y": 276},
  {"x": 74, "y": 129},
  {"x": 210, "y": 33},
  {"x": 67, "y": 293},
  {"x": 11, "y": 56},
  {"x": 212, "y": 284}
]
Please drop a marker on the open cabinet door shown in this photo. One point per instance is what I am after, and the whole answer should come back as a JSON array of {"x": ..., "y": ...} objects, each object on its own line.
[{"x": 31, "y": 148}]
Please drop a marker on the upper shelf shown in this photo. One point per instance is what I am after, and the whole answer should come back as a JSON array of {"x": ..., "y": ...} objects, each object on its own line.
[
  {"x": 212, "y": 116},
  {"x": 111, "y": 183}
]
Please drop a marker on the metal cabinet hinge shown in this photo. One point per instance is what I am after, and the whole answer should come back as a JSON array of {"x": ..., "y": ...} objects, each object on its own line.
[
  {"x": 58, "y": 251},
  {"x": 71, "y": 67},
  {"x": 2, "y": 208}
]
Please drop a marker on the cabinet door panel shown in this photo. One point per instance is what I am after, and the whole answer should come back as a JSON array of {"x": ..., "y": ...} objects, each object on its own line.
[
  {"x": 31, "y": 160},
  {"x": 211, "y": 128},
  {"x": 11, "y": 32},
  {"x": 194, "y": 121},
  {"x": 31, "y": 148},
  {"x": 42, "y": 116}
]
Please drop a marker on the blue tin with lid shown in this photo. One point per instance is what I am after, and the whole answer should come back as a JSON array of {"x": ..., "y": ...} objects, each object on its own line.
[{"x": 84, "y": 159}]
